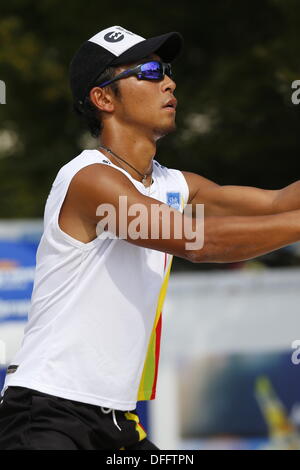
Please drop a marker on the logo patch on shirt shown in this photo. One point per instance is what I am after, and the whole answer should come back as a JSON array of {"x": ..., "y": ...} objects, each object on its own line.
[{"x": 173, "y": 200}]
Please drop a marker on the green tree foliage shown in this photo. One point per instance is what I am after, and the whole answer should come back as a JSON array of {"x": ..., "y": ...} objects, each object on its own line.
[{"x": 236, "y": 122}]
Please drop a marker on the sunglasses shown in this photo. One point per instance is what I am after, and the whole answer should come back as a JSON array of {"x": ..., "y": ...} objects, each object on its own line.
[{"x": 153, "y": 70}]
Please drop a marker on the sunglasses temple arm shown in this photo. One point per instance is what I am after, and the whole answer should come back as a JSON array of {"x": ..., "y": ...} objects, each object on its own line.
[{"x": 126, "y": 73}]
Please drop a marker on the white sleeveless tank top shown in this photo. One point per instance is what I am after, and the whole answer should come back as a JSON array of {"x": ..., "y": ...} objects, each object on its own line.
[{"x": 94, "y": 326}]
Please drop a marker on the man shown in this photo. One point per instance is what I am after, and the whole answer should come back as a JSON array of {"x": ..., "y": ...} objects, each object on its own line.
[{"x": 91, "y": 346}]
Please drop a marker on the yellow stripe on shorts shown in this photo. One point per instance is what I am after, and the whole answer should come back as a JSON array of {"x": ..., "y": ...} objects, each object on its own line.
[{"x": 138, "y": 427}]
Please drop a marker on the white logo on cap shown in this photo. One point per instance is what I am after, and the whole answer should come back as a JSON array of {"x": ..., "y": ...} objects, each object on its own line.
[
  {"x": 116, "y": 39},
  {"x": 114, "y": 36}
]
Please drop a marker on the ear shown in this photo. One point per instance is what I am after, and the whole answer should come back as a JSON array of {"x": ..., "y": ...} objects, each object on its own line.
[{"x": 102, "y": 99}]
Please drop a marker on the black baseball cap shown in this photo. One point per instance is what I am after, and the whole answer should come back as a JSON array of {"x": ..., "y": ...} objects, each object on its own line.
[{"x": 116, "y": 46}]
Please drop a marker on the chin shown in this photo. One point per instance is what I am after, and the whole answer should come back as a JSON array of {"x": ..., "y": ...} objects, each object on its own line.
[{"x": 163, "y": 131}]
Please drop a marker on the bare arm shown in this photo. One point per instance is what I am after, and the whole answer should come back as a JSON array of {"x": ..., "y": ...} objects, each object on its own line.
[
  {"x": 227, "y": 238},
  {"x": 238, "y": 238},
  {"x": 288, "y": 198},
  {"x": 241, "y": 200}
]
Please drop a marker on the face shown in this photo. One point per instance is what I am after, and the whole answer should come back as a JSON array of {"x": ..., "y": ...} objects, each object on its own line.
[{"x": 149, "y": 106}]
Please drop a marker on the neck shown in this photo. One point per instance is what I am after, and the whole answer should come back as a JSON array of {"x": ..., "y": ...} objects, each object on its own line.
[{"x": 138, "y": 150}]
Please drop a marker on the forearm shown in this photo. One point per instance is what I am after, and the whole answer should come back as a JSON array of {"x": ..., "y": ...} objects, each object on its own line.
[
  {"x": 231, "y": 239},
  {"x": 287, "y": 199}
]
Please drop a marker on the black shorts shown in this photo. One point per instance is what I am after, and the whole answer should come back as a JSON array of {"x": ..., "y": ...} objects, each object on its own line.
[{"x": 31, "y": 420}]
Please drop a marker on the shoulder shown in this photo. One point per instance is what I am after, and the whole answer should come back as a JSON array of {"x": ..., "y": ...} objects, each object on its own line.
[{"x": 99, "y": 177}]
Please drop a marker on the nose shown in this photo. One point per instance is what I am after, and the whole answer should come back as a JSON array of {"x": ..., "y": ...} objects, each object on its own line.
[{"x": 168, "y": 84}]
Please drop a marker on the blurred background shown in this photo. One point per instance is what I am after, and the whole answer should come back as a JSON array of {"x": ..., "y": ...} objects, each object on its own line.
[{"x": 227, "y": 378}]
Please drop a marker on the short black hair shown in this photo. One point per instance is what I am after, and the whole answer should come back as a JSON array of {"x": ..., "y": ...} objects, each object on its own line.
[{"x": 88, "y": 111}]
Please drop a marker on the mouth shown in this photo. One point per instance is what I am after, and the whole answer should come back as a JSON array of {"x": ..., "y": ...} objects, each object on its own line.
[{"x": 171, "y": 104}]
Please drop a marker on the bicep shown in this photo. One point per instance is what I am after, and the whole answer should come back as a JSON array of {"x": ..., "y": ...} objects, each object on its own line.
[{"x": 229, "y": 200}]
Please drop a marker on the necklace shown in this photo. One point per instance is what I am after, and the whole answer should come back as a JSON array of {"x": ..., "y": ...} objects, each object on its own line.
[{"x": 144, "y": 176}]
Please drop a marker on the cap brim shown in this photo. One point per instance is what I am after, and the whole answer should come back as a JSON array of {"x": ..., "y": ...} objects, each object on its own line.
[{"x": 167, "y": 46}]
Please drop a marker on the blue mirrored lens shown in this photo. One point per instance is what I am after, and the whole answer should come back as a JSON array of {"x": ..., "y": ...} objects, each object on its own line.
[{"x": 152, "y": 70}]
